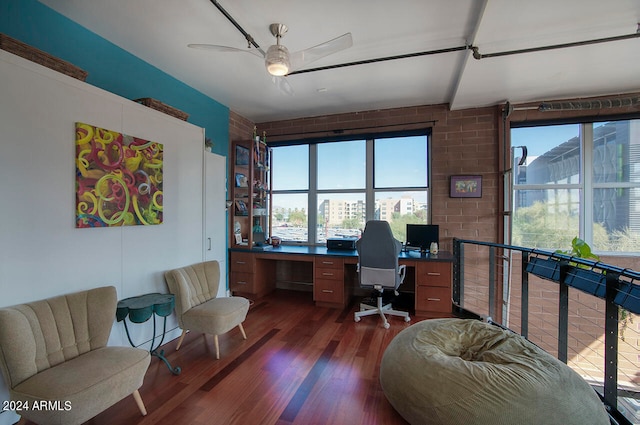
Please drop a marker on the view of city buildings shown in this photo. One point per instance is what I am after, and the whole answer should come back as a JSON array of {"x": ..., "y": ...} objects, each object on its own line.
[
  {"x": 335, "y": 212},
  {"x": 340, "y": 217}
]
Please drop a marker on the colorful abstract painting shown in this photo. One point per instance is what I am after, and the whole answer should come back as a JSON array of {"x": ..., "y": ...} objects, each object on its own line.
[{"x": 118, "y": 179}]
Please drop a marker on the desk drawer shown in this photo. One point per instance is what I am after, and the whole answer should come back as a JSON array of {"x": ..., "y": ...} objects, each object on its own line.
[
  {"x": 434, "y": 274},
  {"x": 435, "y": 299},
  {"x": 329, "y": 263},
  {"x": 328, "y": 291},
  {"x": 330, "y": 274},
  {"x": 242, "y": 262},
  {"x": 241, "y": 282}
]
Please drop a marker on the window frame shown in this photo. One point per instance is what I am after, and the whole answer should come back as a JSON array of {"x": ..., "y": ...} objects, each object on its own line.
[
  {"x": 369, "y": 190},
  {"x": 586, "y": 184}
]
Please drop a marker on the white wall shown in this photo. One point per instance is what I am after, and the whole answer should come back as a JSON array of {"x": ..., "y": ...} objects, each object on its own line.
[{"x": 42, "y": 254}]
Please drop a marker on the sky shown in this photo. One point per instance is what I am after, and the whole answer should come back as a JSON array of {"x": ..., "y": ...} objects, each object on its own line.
[
  {"x": 342, "y": 164},
  {"x": 541, "y": 139}
]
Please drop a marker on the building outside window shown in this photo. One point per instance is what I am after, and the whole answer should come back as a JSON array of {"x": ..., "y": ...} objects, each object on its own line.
[
  {"x": 578, "y": 180},
  {"x": 345, "y": 183}
]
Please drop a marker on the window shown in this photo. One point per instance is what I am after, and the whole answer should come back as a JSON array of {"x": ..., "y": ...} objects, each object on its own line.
[
  {"x": 290, "y": 205},
  {"x": 578, "y": 180},
  {"x": 345, "y": 183}
]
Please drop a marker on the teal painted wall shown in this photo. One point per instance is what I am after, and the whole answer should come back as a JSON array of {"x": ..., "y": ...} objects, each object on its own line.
[{"x": 110, "y": 67}]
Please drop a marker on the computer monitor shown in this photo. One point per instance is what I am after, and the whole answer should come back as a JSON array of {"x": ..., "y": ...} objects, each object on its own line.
[{"x": 420, "y": 236}]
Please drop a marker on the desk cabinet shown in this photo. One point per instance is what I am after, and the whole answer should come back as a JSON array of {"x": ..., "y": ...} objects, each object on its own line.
[
  {"x": 254, "y": 274},
  {"x": 328, "y": 282},
  {"x": 250, "y": 276},
  {"x": 241, "y": 273},
  {"x": 433, "y": 288}
]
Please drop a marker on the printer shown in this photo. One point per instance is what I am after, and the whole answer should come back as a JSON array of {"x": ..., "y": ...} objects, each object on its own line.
[{"x": 348, "y": 244}]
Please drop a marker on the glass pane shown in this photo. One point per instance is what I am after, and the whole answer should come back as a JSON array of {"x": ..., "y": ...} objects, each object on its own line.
[
  {"x": 553, "y": 154},
  {"x": 401, "y": 208},
  {"x": 616, "y": 220},
  {"x": 340, "y": 215},
  {"x": 616, "y": 152},
  {"x": 341, "y": 165},
  {"x": 547, "y": 219},
  {"x": 401, "y": 162},
  {"x": 289, "y": 221},
  {"x": 290, "y": 167}
]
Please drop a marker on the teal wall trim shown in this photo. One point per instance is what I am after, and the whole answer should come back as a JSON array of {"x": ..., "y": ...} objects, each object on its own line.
[{"x": 110, "y": 67}]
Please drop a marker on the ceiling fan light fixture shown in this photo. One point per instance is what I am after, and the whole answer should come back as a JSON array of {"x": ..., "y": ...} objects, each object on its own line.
[{"x": 277, "y": 60}]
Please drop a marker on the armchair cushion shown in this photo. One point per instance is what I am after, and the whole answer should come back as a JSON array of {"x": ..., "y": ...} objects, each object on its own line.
[
  {"x": 99, "y": 379},
  {"x": 192, "y": 286},
  {"x": 55, "y": 350},
  {"x": 218, "y": 315},
  {"x": 42, "y": 334},
  {"x": 197, "y": 306}
]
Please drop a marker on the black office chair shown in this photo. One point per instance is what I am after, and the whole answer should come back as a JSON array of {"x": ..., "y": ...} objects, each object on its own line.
[{"x": 378, "y": 268}]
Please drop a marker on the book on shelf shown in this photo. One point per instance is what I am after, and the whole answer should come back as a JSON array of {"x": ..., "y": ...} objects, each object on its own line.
[{"x": 241, "y": 208}]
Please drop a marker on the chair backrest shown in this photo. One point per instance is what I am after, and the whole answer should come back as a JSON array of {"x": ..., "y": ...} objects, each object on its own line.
[
  {"x": 42, "y": 334},
  {"x": 378, "y": 254},
  {"x": 192, "y": 285}
]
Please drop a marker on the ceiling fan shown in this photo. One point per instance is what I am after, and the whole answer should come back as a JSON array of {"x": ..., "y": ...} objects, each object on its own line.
[{"x": 278, "y": 61}]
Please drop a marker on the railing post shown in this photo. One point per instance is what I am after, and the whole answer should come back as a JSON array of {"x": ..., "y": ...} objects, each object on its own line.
[
  {"x": 611, "y": 342},
  {"x": 492, "y": 281},
  {"x": 458, "y": 272},
  {"x": 524, "y": 301},
  {"x": 563, "y": 313},
  {"x": 563, "y": 322}
]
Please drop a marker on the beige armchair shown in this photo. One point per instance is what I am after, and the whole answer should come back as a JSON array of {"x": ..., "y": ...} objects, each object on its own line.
[
  {"x": 197, "y": 307},
  {"x": 54, "y": 354}
]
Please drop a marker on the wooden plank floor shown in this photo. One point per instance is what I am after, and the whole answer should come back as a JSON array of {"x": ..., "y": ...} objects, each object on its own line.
[{"x": 300, "y": 364}]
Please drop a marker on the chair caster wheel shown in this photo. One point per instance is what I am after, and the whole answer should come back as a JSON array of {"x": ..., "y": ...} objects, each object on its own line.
[
  {"x": 407, "y": 319},
  {"x": 356, "y": 319},
  {"x": 386, "y": 325}
]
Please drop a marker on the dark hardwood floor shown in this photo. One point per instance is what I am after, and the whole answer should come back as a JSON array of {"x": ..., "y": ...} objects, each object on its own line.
[{"x": 300, "y": 364}]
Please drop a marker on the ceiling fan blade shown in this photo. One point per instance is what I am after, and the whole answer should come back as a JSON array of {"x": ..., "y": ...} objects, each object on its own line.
[
  {"x": 312, "y": 54},
  {"x": 217, "y": 48},
  {"x": 283, "y": 85}
]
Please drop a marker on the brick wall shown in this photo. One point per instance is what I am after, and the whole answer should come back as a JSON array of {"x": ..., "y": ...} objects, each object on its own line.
[{"x": 240, "y": 128}]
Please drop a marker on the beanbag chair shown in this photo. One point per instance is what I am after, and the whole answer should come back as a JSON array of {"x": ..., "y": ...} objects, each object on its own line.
[{"x": 467, "y": 372}]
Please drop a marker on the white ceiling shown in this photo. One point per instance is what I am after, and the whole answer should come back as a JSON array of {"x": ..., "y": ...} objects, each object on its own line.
[{"x": 158, "y": 32}]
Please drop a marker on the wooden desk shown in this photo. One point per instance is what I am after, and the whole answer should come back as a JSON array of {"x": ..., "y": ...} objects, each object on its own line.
[{"x": 331, "y": 275}]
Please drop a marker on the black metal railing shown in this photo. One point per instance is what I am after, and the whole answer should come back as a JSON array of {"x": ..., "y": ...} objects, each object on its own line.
[{"x": 577, "y": 309}]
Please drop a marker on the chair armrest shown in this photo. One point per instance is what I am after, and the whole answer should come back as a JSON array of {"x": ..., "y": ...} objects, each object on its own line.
[{"x": 402, "y": 270}]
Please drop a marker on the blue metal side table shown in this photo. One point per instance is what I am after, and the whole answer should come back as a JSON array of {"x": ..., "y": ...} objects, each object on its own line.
[{"x": 140, "y": 309}]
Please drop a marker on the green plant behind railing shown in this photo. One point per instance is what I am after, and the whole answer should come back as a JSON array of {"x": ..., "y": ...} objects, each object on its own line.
[{"x": 581, "y": 249}]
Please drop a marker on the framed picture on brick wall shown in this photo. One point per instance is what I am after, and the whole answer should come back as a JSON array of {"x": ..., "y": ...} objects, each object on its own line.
[{"x": 466, "y": 187}]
